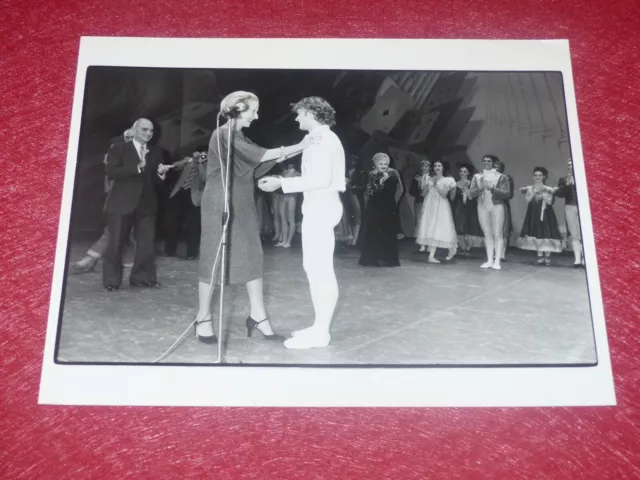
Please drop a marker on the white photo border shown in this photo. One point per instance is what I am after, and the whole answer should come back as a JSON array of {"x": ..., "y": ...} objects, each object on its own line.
[{"x": 359, "y": 386}]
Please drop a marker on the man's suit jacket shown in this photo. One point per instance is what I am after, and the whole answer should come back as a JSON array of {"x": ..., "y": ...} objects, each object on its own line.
[
  {"x": 500, "y": 194},
  {"x": 130, "y": 188},
  {"x": 566, "y": 191},
  {"x": 197, "y": 186}
]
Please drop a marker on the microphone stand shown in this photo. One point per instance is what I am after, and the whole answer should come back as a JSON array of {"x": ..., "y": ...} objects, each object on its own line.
[{"x": 226, "y": 223}]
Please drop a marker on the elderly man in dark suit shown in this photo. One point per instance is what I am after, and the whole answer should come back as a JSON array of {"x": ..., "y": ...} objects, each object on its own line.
[
  {"x": 184, "y": 204},
  {"x": 96, "y": 251},
  {"x": 133, "y": 168}
]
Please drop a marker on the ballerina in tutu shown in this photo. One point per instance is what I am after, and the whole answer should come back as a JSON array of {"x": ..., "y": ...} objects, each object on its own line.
[
  {"x": 436, "y": 228},
  {"x": 540, "y": 230}
]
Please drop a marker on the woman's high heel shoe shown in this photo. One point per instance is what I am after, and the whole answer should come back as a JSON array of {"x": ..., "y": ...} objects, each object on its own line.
[
  {"x": 208, "y": 339},
  {"x": 253, "y": 325}
]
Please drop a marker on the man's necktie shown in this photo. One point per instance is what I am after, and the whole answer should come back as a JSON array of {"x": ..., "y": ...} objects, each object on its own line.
[{"x": 143, "y": 162}]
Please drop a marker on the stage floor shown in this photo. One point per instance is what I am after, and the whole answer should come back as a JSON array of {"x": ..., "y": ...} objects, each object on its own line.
[{"x": 418, "y": 314}]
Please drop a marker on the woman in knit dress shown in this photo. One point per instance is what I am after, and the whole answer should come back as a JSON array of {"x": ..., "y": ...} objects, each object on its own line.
[{"x": 245, "y": 261}]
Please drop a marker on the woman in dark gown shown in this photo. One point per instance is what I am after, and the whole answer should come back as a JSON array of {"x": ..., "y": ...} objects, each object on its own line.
[
  {"x": 379, "y": 230},
  {"x": 244, "y": 265}
]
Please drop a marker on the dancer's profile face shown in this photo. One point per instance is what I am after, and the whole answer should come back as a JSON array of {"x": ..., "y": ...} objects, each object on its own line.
[
  {"x": 487, "y": 163},
  {"x": 570, "y": 166},
  {"x": 304, "y": 118},
  {"x": 248, "y": 116}
]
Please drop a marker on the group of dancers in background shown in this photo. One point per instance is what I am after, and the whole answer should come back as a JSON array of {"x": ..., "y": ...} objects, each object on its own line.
[
  {"x": 476, "y": 209},
  {"x": 456, "y": 215}
]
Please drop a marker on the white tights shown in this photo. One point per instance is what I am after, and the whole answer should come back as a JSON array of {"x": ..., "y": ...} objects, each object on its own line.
[{"x": 492, "y": 223}]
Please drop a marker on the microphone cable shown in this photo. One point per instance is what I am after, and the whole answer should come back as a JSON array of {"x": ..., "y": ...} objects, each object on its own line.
[{"x": 225, "y": 225}]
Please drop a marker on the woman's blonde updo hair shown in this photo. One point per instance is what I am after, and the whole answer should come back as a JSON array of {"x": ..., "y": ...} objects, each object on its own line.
[
  {"x": 236, "y": 103},
  {"x": 380, "y": 156}
]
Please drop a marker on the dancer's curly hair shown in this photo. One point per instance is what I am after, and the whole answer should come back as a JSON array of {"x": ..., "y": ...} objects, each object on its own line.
[{"x": 319, "y": 108}]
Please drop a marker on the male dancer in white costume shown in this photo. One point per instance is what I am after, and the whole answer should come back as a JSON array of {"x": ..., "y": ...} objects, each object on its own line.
[{"x": 323, "y": 177}]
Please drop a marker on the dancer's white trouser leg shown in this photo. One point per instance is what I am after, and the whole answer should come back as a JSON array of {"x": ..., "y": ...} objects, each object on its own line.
[
  {"x": 318, "y": 243},
  {"x": 492, "y": 223}
]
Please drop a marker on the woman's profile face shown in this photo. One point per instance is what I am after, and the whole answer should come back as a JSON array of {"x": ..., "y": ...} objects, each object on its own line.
[{"x": 248, "y": 116}]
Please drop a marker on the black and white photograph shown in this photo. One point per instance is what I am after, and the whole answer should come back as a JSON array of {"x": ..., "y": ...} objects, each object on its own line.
[{"x": 357, "y": 222}]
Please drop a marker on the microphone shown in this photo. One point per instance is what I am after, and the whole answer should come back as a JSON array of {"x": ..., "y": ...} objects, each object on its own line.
[{"x": 234, "y": 111}]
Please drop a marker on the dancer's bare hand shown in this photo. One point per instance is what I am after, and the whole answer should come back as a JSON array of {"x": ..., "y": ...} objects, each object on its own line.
[{"x": 269, "y": 184}]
